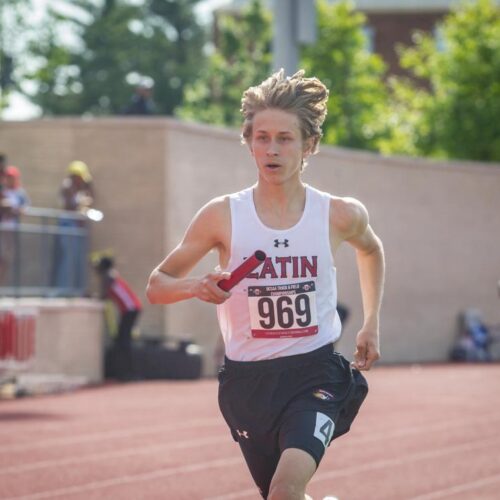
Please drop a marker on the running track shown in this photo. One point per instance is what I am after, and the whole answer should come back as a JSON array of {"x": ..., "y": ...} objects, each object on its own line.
[{"x": 425, "y": 433}]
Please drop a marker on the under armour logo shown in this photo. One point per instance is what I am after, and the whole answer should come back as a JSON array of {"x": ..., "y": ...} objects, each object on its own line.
[
  {"x": 242, "y": 434},
  {"x": 277, "y": 243}
]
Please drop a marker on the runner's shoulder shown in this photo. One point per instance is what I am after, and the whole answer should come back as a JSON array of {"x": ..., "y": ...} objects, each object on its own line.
[
  {"x": 216, "y": 206},
  {"x": 347, "y": 215},
  {"x": 216, "y": 211}
]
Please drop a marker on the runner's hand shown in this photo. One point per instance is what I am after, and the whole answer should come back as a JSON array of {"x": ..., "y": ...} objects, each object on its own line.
[
  {"x": 206, "y": 288},
  {"x": 367, "y": 349}
]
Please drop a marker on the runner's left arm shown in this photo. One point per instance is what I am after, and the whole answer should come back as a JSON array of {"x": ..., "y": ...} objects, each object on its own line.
[{"x": 371, "y": 267}]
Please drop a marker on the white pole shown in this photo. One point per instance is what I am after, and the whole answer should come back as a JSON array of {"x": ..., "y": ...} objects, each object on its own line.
[
  {"x": 285, "y": 49},
  {"x": 294, "y": 23}
]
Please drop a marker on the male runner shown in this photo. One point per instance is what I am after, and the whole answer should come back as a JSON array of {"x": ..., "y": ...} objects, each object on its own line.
[{"x": 284, "y": 392}]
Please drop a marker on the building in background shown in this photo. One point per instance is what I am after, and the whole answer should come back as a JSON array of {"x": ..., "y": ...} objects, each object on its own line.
[
  {"x": 389, "y": 22},
  {"x": 392, "y": 22}
]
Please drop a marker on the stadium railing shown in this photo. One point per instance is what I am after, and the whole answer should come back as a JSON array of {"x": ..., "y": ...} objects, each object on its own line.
[{"x": 44, "y": 254}]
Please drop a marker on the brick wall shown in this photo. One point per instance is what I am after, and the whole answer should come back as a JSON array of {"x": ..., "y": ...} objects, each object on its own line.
[{"x": 152, "y": 175}]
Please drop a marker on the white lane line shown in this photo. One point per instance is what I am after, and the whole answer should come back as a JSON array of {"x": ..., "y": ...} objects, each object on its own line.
[
  {"x": 212, "y": 421},
  {"x": 216, "y": 421},
  {"x": 379, "y": 464},
  {"x": 460, "y": 488},
  {"x": 128, "y": 479},
  {"x": 124, "y": 433},
  {"x": 461, "y": 448},
  {"x": 430, "y": 427},
  {"x": 128, "y": 452},
  {"x": 60, "y": 418}
]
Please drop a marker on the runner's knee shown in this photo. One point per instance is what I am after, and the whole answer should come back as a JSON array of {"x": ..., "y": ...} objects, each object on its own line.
[{"x": 281, "y": 489}]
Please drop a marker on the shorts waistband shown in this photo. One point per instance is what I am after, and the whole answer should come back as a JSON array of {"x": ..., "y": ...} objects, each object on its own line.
[{"x": 278, "y": 363}]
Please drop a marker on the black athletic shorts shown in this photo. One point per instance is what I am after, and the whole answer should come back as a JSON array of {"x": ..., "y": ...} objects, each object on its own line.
[{"x": 303, "y": 401}]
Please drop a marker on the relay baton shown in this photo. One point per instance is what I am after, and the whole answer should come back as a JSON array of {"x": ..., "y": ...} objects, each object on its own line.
[{"x": 243, "y": 270}]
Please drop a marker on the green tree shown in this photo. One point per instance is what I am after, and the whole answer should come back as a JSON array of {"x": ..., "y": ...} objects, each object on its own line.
[
  {"x": 241, "y": 58},
  {"x": 12, "y": 25},
  {"x": 358, "y": 95},
  {"x": 457, "y": 115},
  {"x": 119, "y": 45},
  {"x": 406, "y": 118},
  {"x": 182, "y": 59}
]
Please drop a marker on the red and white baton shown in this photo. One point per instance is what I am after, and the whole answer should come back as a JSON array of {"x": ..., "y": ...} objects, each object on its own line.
[{"x": 243, "y": 270}]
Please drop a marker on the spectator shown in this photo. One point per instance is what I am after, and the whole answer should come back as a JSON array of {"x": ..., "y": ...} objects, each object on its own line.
[
  {"x": 70, "y": 250},
  {"x": 116, "y": 289},
  {"x": 474, "y": 339},
  {"x": 14, "y": 200},
  {"x": 141, "y": 102},
  {"x": 77, "y": 191}
]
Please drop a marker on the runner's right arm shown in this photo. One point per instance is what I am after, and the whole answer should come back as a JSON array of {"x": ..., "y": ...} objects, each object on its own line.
[{"x": 169, "y": 282}]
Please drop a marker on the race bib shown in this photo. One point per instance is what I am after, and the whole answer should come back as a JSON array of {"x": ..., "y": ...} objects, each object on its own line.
[{"x": 283, "y": 311}]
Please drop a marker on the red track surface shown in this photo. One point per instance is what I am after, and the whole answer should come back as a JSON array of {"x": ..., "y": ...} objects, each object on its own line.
[{"x": 424, "y": 433}]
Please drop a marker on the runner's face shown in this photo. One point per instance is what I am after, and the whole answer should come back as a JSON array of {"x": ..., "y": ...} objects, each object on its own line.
[{"x": 277, "y": 145}]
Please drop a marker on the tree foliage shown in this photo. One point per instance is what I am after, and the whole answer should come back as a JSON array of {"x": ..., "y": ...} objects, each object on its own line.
[
  {"x": 119, "y": 45},
  {"x": 241, "y": 58},
  {"x": 12, "y": 26},
  {"x": 457, "y": 116},
  {"x": 358, "y": 96},
  {"x": 339, "y": 58}
]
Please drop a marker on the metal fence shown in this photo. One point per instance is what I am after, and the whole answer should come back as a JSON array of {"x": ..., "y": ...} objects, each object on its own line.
[{"x": 44, "y": 254}]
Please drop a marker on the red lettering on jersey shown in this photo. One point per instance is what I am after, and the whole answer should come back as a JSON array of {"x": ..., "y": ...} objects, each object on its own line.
[
  {"x": 268, "y": 268},
  {"x": 306, "y": 265},
  {"x": 301, "y": 267},
  {"x": 295, "y": 262},
  {"x": 283, "y": 261}
]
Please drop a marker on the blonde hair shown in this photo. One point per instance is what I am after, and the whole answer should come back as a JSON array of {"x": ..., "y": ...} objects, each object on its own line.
[{"x": 305, "y": 97}]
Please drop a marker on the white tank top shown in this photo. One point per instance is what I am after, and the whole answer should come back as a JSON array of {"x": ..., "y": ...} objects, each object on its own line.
[{"x": 288, "y": 304}]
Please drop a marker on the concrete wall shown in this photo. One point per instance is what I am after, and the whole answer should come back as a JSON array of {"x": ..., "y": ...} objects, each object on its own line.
[
  {"x": 127, "y": 160},
  {"x": 438, "y": 220}
]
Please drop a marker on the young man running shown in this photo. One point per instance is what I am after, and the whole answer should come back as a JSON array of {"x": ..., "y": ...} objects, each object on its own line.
[{"x": 284, "y": 392}]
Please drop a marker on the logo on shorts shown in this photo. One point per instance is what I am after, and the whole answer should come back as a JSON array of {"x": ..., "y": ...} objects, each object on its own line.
[
  {"x": 322, "y": 394},
  {"x": 242, "y": 434}
]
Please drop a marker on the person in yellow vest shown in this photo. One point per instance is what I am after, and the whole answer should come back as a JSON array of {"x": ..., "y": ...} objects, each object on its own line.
[{"x": 70, "y": 265}]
